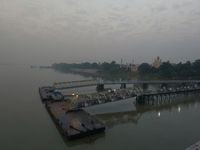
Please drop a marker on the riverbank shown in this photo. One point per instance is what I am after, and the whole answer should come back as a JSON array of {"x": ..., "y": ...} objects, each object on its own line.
[{"x": 93, "y": 71}]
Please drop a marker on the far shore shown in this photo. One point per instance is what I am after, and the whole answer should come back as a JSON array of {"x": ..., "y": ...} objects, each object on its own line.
[{"x": 94, "y": 71}]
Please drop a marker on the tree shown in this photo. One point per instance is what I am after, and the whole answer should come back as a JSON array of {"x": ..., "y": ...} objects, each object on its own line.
[
  {"x": 144, "y": 68},
  {"x": 85, "y": 65},
  {"x": 153, "y": 70},
  {"x": 110, "y": 68},
  {"x": 104, "y": 66},
  {"x": 94, "y": 66},
  {"x": 196, "y": 67},
  {"x": 113, "y": 63},
  {"x": 166, "y": 69}
]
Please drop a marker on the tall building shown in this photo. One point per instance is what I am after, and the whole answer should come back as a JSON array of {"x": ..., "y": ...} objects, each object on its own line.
[{"x": 157, "y": 62}]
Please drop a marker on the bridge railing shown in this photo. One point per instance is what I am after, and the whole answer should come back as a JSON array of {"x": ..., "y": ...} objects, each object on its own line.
[
  {"x": 82, "y": 83},
  {"x": 74, "y": 84},
  {"x": 149, "y": 81}
]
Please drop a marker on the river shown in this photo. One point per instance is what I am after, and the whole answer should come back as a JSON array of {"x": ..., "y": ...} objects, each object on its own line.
[{"x": 26, "y": 124}]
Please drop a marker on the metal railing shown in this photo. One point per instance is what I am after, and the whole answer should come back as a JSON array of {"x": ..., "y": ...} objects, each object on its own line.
[{"x": 83, "y": 83}]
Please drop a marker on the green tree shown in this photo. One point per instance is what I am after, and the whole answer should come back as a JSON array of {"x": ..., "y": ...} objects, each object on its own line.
[
  {"x": 144, "y": 68},
  {"x": 153, "y": 70},
  {"x": 166, "y": 70},
  {"x": 196, "y": 67},
  {"x": 94, "y": 65}
]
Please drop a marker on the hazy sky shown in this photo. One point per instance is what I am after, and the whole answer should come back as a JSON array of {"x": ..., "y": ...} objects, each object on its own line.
[{"x": 42, "y": 32}]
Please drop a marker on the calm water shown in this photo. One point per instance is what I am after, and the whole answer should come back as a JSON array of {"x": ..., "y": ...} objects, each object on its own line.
[{"x": 26, "y": 124}]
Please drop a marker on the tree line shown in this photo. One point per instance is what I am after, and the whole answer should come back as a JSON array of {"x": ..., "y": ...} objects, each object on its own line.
[
  {"x": 167, "y": 70},
  {"x": 111, "y": 68},
  {"x": 186, "y": 70}
]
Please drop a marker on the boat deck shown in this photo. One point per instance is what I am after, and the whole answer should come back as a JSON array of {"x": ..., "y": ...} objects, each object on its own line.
[
  {"x": 46, "y": 92},
  {"x": 57, "y": 107},
  {"x": 74, "y": 123}
]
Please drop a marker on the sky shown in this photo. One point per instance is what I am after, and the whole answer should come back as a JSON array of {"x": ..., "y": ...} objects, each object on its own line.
[{"x": 75, "y": 31}]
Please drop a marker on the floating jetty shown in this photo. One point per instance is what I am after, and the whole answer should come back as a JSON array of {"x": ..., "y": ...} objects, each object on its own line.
[
  {"x": 74, "y": 123},
  {"x": 46, "y": 92},
  {"x": 167, "y": 94}
]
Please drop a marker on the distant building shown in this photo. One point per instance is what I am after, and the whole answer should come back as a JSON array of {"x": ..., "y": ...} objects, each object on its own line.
[
  {"x": 157, "y": 62},
  {"x": 133, "y": 68}
]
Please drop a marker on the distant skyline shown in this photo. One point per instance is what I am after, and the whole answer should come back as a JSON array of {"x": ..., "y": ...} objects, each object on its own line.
[{"x": 72, "y": 31}]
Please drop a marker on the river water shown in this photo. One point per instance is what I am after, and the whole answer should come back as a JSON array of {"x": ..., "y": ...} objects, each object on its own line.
[{"x": 26, "y": 124}]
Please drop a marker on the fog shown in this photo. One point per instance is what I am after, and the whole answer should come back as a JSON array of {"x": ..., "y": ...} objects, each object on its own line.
[{"x": 72, "y": 31}]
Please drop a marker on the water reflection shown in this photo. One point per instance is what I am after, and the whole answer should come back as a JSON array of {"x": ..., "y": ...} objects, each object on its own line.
[
  {"x": 179, "y": 108},
  {"x": 150, "y": 113},
  {"x": 117, "y": 118},
  {"x": 195, "y": 106},
  {"x": 94, "y": 75},
  {"x": 85, "y": 75},
  {"x": 114, "y": 119},
  {"x": 158, "y": 114},
  {"x": 84, "y": 140}
]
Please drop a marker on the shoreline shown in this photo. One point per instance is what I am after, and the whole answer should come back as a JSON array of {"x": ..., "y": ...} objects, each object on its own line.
[{"x": 93, "y": 71}]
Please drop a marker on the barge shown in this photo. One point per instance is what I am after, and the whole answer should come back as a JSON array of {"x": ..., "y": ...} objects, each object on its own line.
[
  {"x": 48, "y": 93},
  {"x": 74, "y": 123}
]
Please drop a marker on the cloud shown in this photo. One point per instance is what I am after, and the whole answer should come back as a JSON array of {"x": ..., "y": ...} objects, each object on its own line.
[
  {"x": 71, "y": 2},
  {"x": 59, "y": 17},
  {"x": 147, "y": 3},
  {"x": 167, "y": 5},
  {"x": 82, "y": 11},
  {"x": 187, "y": 2},
  {"x": 156, "y": 7},
  {"x": 159, "y": 7},
  {"x": 196, "y": 13},
  {"x": 176, "y": 5}
]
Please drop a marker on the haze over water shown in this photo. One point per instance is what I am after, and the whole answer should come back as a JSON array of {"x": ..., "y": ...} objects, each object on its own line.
[{"x": 26, "y": 124}]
